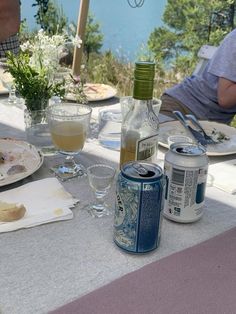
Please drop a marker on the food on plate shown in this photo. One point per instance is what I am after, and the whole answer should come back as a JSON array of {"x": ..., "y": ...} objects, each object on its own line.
[
  {"x": 2, "y": 158},
  {"x": 11, "y": 211},
  {"x": 95, "y": 91},
  {"x": 219, "y": 136},
  {"x": 92, "y": 88},
  {"x": 91, "y": 91},
  {"x": 16, "y": 169},
  {"x": 21, "y": 159},
  {"x": 7, "y": 156}
]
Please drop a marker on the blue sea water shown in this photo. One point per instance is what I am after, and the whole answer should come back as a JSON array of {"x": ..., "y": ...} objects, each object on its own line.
[{"x": 125, "y": 29}]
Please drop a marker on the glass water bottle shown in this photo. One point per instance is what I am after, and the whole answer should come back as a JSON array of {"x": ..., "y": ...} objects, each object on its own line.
[{"x": 139, "y": 134}]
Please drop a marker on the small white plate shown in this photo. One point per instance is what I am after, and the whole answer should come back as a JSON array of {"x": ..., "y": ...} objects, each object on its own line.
[
  {"x": 96, "y": 92},
  {"x": 20, "y": 153},
  {"x": 227, "y": 147}
]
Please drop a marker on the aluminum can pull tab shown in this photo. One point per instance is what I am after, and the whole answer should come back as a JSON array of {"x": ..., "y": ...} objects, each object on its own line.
[{"x": 141, "y": 170}]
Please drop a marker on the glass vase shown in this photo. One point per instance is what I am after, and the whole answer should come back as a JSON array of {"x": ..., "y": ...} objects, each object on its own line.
[
  {"x": 37, "y": 131},
  {"x": 34, "y": 104}
]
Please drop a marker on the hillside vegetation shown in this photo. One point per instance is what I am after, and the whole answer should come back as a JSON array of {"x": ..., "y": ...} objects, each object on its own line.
[{"x": 187, "y": 26}]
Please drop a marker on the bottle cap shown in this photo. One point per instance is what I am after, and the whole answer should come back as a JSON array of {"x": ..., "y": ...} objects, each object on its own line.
[{"x": 144, "y": 80}]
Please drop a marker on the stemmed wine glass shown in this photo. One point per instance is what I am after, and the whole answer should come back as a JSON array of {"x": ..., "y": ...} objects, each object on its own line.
[
  {"x": 8, "y": 82},
  {"x": 68, "y": 124},
  {"x": 12, "y": 98},
  {"x": 100, "y": 178}
]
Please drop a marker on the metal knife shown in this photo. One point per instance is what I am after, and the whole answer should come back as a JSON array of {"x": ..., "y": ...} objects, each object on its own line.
[
  {"x": 195, "y": 122},
  {"x": 196, "y": 135}
]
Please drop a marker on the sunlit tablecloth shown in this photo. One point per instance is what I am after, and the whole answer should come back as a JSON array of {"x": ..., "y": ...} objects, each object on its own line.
[{"x": 45, "y": 267}]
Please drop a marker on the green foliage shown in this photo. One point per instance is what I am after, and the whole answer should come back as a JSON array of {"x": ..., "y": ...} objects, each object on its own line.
[
  {"x": 31, "y": 84},
  {"x": 189, "y": 24},
  {"x": 102, "y": 69},
  {"x": 53, "y": 20},
  {"x": 107, "y": 69},
  {"x": 76, "y": 89},
  {"x": 233, "y": 123},
  {"x": 25, "y": 33},
  {"x": 42, "y": 9},
  {"x": 184, "y": 63},
  {"x": 163, "y": 44},
  {"x": 93, "y": 38}
]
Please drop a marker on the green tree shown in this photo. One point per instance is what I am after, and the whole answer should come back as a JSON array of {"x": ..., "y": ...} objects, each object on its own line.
[
  {"x": 93, "y": 38},
  {"x": 42, "y": 9},
  {"x": 51, "y": 17},
  {"x": 189, "y": 24}
]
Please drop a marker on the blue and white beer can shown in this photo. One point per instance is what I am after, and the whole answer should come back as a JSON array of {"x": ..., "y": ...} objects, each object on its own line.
[{"x": 139, "y": 206}]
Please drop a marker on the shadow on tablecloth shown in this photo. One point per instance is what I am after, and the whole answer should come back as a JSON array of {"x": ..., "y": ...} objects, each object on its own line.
[{"x": 197, "y": 280}]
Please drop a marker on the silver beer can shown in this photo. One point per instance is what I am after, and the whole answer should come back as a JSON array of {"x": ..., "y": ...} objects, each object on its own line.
[
  {"x": 185, "y": 167},
  {"x": 139, "y": 206}
]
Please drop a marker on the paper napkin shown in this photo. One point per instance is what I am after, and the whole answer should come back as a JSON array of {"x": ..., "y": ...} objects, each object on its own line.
[
  {"x": 223, "y": 176},
  {"x": 45, "y": 201}
]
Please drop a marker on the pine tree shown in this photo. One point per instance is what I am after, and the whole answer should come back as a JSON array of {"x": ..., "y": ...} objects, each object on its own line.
[{"x": 189, "y": 24}]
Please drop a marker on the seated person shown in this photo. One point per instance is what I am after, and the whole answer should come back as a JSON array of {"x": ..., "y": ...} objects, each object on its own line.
[
  {"x": 9, "y": 26},
  {"x": 212, "y": 94}
]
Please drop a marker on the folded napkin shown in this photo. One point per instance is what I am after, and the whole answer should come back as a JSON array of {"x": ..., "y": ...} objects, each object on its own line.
[
  {"x": 45, "y": 201},
  {"x": 223, "y": 176}
]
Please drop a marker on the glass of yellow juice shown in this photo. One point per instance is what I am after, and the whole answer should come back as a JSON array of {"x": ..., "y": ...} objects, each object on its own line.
[{"x": 69, "y": 125}]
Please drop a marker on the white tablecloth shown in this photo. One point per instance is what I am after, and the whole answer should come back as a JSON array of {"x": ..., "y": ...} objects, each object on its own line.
[{"x": 45, "y": 267}]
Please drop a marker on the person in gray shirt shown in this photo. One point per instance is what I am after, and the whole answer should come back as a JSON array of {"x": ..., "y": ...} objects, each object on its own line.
[{"x": 210, "y": 95}]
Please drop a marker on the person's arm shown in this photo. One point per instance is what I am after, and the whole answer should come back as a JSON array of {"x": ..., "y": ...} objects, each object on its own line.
[
  {"x": 9, "y": 18},
  {"x": 226, "y": 93}
]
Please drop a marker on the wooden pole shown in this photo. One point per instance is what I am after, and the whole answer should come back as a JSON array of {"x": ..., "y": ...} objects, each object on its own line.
[{"x": 82, "y": 19}]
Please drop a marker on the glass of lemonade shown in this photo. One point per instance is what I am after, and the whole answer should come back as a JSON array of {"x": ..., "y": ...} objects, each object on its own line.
[{"x": 69, "y": 126}]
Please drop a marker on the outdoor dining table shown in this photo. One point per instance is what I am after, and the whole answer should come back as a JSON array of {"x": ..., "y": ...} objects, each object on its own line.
[{"x": 45, "y": 267}]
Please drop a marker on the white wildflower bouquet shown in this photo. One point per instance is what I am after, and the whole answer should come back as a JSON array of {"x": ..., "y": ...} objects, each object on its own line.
[{"x": 34, "y": 67}]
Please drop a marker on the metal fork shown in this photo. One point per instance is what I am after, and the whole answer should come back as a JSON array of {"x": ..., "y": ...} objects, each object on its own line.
[
  {"x": 194, "y": 120},
  {"x": 197, "y": 136}
]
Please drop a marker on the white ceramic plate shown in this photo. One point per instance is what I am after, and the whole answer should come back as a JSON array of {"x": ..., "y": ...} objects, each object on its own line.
[
  {"x": 227, "y": 147},
  {"x": 27, "y": 158},
  {"x": 96, "y": 92}
]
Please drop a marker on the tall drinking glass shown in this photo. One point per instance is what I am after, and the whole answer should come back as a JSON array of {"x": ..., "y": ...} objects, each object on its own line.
[{"x": 69, "y": 125}]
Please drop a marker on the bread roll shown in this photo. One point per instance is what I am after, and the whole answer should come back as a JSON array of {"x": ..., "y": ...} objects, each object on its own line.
[{"x": 11, "y": 211}]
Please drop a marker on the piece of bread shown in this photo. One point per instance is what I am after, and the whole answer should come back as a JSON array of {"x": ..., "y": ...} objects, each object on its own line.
[{"x": 11, "y": 211}]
